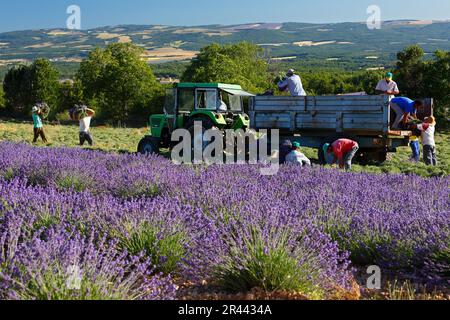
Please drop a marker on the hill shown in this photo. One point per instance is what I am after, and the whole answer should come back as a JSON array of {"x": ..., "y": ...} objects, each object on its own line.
[{"x": 327, "y": 44}]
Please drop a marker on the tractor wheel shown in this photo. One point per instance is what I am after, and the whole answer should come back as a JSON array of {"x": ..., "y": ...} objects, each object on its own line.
[
  {"x": 206, "y": 124},
  {"x": 148, "y": 146}
]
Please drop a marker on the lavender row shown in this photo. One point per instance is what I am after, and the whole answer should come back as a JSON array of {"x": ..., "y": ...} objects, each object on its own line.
[
  {"x": 45, "y": 232},
  {"x": 224, "y": 224}
]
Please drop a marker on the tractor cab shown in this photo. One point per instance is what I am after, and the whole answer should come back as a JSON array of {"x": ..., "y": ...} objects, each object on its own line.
[{"x": 215, "y": 105}]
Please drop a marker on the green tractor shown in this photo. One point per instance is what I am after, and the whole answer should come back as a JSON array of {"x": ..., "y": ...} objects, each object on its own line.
[{"x": 215, "y": 105}]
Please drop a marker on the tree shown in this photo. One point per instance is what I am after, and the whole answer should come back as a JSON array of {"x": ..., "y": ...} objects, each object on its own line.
[
  {"x": 118, "y": 81},
  {"x": 411, "y": 70},
  {"x": 437, "y": 84},
  {"x": 368, "y": 81},
  {"x": 70, "y": 94},
  {"x": 2, "y": 98},
  {"x": 420, "y": 78},
  {"x": 17, "y": 88},
  {"x": 335, "y": 82},
  {"x": 44, "y": 83},
  {"x": 236, "y": 64},
  {"x": 26, "y": 85}
]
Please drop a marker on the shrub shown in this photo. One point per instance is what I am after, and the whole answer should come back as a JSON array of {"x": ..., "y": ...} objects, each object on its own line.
[
  {"x": 71, "y": 267},
  {"x": 72, "y": 181},
  {"x": 268, "y": 266},
  {"x": 166, "y": 251}
]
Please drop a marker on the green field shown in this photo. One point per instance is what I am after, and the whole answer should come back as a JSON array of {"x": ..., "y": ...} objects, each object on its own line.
[
  {"x": 110, "y": 139},
  {"x": 106, "y": 138}
]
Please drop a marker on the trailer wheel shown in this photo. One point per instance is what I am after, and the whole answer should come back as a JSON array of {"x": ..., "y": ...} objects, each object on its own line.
[
  {"x": 373, "y": 157},
  {"x": 384, "y": 156},
  {"x": 148, "y": 146}
]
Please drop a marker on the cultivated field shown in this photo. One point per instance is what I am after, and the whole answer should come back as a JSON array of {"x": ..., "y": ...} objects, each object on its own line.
[
  {"x": 126, "y": 140},
  {"x": 125, "y": 226},
  {"x": 78, "y": 224},
  {"x": 106, "y": 138}
]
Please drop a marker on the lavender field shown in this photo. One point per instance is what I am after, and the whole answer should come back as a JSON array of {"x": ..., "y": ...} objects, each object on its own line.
[{"x": 78, "y": 224}]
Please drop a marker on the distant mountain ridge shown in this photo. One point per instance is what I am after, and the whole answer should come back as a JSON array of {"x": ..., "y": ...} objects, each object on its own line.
[{"x": 331, "y": 42}]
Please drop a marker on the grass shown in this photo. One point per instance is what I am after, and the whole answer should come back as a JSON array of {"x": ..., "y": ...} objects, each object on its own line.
[
  {"x": 400, "y": 164},
  {"x": 405, "y": 291},
  {"x": 166, "y": 251},
  {"x": 270, "y": 266},
  {"x": 106, "y": 138},
  {"x": 122, "y": 140}
]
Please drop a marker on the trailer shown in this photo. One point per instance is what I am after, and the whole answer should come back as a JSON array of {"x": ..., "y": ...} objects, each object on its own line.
[{"x": 314, "y": 121}]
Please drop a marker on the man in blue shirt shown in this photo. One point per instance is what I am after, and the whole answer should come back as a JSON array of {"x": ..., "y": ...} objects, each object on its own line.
[{"x": 404, "y": 108}]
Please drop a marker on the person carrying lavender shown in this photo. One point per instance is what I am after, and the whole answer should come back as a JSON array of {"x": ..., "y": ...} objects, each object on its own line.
[
  {"x": 38, "y": 127},
  {"x": 83, "y": 115}
]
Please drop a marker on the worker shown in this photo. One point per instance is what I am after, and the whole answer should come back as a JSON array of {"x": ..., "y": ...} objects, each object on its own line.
[
  {"x": 285, "y": 149},
  {"x": 38, "y": 127},
  {"x": 388, "y": 86},
  {"x": 85, "y": 118},
  {"x": 405, "y": 109},
  {"x": 428, "y": 129},
  {"x": 222, "y": 105},
  {"x": 293, "y": 84},
  {"x": 344, "y": 150},
  {"x": 297, "y": 157},
  {"x": 414, "y": 143}
]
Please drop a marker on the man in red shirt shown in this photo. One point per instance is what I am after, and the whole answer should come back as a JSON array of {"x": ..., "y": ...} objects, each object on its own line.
[{"x": 344, "y": 151}]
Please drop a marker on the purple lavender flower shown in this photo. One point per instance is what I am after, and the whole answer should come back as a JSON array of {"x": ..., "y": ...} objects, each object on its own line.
[{"x": 140, "y": 216}]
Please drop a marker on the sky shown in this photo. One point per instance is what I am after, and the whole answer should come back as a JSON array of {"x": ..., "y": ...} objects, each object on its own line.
[{"x": 42, "y": 14}]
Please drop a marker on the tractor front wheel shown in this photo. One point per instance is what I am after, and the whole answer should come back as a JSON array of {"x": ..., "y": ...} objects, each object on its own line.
[{"x": 148, "y": 146}]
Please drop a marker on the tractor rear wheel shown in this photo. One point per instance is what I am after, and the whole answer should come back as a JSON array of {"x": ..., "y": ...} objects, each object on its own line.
[{"x": 148, "y": 146}]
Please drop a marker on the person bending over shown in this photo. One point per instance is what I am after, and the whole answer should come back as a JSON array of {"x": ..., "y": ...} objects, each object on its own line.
[
  {"x": 405, "y": 109},
  {"x": 297, "y": 157},
  {"x": 344, "y": 150}
]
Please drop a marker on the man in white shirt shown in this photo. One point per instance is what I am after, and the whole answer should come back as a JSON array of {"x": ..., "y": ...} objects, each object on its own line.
[
  {"x": 222, "y": 105},
  {"x": 85, "y": 125},
  {"x": 387, "y": 86},
  {"x": 428, "y": 129},
  {"x": 296, "y": 157},
  {"x": 293, "y": 84}
]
